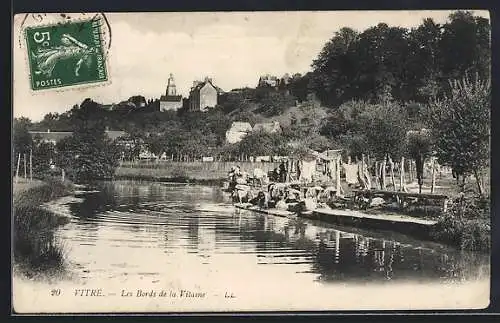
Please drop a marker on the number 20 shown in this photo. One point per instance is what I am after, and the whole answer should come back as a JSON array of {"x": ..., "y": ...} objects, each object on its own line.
[
  {"x": 43, "y": 37},
  {"x": 55, "y": 292}
]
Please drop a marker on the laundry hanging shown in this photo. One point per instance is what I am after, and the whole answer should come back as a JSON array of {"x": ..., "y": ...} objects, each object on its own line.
[
  {"x": 351, "y": 173},
  {"x": 307, "y": 171}
]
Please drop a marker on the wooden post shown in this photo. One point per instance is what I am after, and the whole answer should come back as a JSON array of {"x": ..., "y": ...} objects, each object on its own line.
[
  {"x": 381, "y": 180},
  {"x": 288, "y": 170},
  {"x": 410, "y": 171},
  {"x": 402, "y": 174},
  {"x": 360, "y": 172},
  {"x": 383, "y": 174},
  {"x": 433, "y": 183},
  {"x": 393, "y": 181},
  {"x": 366, "y": 173},
  {"x": 25, "y": 169},
  {"x": 31, "y": 165},
  {"x": 338, "y": 187},
  {"x": 62, "y": 175},
  {"x": 17, "y": 169}
]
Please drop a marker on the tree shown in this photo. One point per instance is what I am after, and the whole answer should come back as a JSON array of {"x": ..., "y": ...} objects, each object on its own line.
[
  {"x": 461, "y": 126},
  {"x": 419, "y": 147},
  {"x": 424, "y": 62},
  {"x": 22, "y": 140},
  {"x": 262, "y": 143},
  {"x": 465, "y": 46},
  {"x": 88, "y": 154},
  {"x": 335, "y": 68},
  {"x": 43, "y": 154}
]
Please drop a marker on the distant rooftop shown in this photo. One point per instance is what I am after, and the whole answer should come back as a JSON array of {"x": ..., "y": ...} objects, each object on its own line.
[
  {"x": 169, "y": 98},
  {"x": 267, "y": 127},
  {"x": 239, "y": 126}
]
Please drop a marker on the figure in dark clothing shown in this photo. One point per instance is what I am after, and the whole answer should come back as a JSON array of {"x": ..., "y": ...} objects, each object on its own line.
[{"x": 283, "y": 172}]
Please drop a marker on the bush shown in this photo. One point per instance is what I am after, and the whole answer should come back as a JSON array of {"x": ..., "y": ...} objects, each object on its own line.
[{"x": 465, "y": 225}]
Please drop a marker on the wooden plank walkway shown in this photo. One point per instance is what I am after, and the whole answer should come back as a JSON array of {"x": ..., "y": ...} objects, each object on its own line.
[
  {"x": 377, "y": 217},
  {"x": 419, "y": 228}
]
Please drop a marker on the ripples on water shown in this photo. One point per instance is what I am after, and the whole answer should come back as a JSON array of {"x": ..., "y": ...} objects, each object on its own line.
[{"x": 150, "y": 230}]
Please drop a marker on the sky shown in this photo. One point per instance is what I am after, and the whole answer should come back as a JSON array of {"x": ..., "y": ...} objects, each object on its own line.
[{"x": 233, "y": 48}]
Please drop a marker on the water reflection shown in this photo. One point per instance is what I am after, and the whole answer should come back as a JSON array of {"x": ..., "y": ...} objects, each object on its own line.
[{"x": 148, "y": 229}]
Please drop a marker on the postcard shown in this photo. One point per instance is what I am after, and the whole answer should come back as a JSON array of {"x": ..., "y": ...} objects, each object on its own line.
[{"x": 178, "y": 162}]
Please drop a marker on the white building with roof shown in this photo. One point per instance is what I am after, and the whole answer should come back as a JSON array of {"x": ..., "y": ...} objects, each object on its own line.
[{"x": 238, "y": 131}]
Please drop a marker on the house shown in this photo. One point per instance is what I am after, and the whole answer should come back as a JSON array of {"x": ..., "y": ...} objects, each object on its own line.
[
  {"x": 203, "y": 95},
  {"x": 124, "y": 107},
  {"x": 238, "y": 131},
  {"x": 54, "y": 137},
  {"x": 285, "y": 79},
  {"x": 268, "y": 80},
  {"x": 138, "y": 100},
  {"x": 170, "y": 101},
  {"x": 269, "y": 127}
]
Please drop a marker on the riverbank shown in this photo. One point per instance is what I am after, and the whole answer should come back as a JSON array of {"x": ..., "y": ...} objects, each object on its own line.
[
  {"x": 207, "y": 173},
  {"x": 170, "y": 175},
  {"x": 35, "y": 248}
]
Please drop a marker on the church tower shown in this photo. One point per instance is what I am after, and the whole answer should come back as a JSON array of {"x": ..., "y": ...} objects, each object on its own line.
[
  {"x": 170, "y": 101},
  {"x": 171, "y": 89}
]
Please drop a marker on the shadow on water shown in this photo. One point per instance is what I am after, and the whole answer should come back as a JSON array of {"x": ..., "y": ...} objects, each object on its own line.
[{"x": 345, "y": 256}]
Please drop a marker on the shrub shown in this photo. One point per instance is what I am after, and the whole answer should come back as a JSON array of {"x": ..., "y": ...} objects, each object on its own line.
[{"x": 465, "y": 225}]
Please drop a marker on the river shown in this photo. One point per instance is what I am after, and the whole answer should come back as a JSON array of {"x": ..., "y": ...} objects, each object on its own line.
[{"x": 133, "y": 238}]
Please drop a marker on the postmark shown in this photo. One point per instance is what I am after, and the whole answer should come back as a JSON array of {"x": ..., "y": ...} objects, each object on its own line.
[{"x": 66, "y": 54}]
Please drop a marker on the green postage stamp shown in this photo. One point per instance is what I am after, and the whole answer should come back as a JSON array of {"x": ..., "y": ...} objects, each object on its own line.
[{"x": 66, "y": 54}]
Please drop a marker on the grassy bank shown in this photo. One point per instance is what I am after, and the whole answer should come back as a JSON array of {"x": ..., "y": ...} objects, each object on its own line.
[
  {"x": 176, "y": 173},
  {"x": 200, "y": 172},
  {"x": 35, "y": 248}
]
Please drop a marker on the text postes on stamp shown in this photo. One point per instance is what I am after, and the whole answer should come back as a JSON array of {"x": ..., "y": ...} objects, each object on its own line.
[{"x": 66, "y": 54}]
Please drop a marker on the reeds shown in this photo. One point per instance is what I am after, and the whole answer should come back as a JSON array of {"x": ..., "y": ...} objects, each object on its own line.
[{"x": 35, "y": 248}]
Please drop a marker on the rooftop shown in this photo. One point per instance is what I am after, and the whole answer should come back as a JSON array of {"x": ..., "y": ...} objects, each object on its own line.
[
  {"x": 267, "y": 126},
  {"x": 239, "y": 126},
  {"x": 170, "y": 98}
]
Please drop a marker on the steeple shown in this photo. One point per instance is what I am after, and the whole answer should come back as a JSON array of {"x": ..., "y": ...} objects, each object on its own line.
[{"x": 171, "y": 90}]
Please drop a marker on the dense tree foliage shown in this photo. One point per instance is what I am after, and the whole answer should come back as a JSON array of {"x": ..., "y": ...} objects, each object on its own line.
[
  {"x": 461, "y": 126},
  {"x": 410, "y": 64},
  {"x": 21, "y": 141},
  {"x": 88, "y": 154}
]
